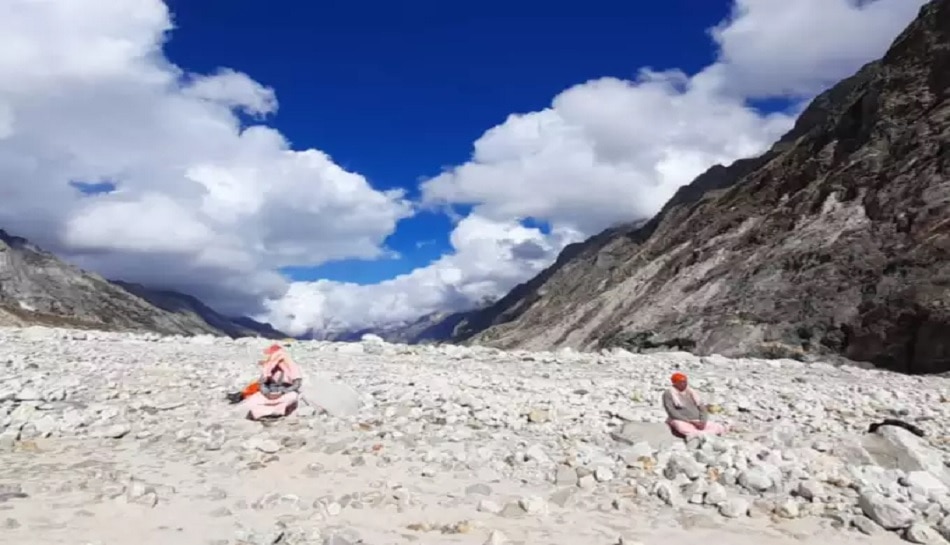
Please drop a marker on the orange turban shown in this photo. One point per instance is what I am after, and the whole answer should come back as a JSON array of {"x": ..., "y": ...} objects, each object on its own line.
[
  {"x": 272, "y": 348},
  {"x": 678, "y": 377}
]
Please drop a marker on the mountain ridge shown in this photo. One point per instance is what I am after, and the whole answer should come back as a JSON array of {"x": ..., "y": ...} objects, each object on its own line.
[
  {"x": 833, "y": 242},
  {"x": 39, "y": 288}
]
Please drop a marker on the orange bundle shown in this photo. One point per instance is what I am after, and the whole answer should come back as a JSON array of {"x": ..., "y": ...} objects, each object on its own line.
[{"x": 251, "y": 389}]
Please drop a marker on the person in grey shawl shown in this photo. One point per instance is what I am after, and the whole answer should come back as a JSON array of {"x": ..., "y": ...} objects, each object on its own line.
[{"x": 686, "y": 415}]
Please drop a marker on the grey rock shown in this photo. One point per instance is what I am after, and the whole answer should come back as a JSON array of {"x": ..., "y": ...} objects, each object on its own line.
[
  {"x": 755, "y": 480},
  {"x": 919, "y": 532},
  {"x": 811, "y": 490},
  {"x": 734, "y": 508},
  {"x": 478, "y": 489},
  {"x": 603, "y": 474},
  {"x": 496, "y": 538},
  {"x": 565, "y": 476},
  {"x": 563, "y": 497},
  {"x": 488, "y": 506},
  {"x": 533, "y": 505},
  {"x": 887, "y": 512},
  {"x": 866, "y": 526},
  {"x": 336, "y": 398},
  {"x": 268, "y": 446},
  {"x": 715, "y": 495},
  {"x": 513, "y": 510}
]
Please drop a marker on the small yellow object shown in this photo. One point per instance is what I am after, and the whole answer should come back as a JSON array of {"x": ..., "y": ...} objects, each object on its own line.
[
  {"x": 27, "y": 445},
  {"x": 714, "y": 409},
  {"x": 463, "y": 527}
]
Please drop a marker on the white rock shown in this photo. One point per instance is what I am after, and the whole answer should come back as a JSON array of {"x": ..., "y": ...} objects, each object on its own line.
[
  {"x": 603, "y": 474},
  {"x": 885, "y": 511}
]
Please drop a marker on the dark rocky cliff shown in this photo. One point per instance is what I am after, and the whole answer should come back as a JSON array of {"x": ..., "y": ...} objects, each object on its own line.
[
  {"x": 186, "y": 305},
  {"x": 38, "y": 288},
  {"x": 835, "y": 241}
]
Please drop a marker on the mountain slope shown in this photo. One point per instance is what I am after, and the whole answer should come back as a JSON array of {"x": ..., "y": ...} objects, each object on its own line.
[
  {"x": 36, "y": 287},
  {"x": 430, "y": 328},
  {"x": 182, "y": 304},
  {"x": 835, "y": 241}
]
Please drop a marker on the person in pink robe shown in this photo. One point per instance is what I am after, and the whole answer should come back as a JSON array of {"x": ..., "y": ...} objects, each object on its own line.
[{"x": 279, "y": 386}]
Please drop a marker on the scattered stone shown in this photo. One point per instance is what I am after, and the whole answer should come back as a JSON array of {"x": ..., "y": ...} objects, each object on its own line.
[
  {"x": 116, "y": 431},
  {"x": 920, "y": 532},
  {"x": 887, "y": 512},
  {"x": 491, "y": 421},
  {"x": 268, "y": 446},
  {"x": 513, "y": 510},
  {"x": 866, "y": 526},
  {"x": 478, "y": 490},
  {"x": 562, "y": 498},
  {"x": 603, "y": 474},
  {"x": 811, "y": 490},
  {"x": 565, "y": 476},
  {"x": 488, "y": 506},
  {"x": 734, "y": 507},
  {"x": 539, "y": 416},
  {"x": 496, "y": 538},
  {"x": 533, "y": 505}
]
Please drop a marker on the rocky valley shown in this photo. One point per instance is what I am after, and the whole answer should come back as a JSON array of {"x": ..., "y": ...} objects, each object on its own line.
[{"x": 106, "y": 436}]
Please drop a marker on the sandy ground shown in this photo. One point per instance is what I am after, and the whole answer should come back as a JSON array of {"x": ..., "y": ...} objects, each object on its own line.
[{"x": 205, "y": 501}]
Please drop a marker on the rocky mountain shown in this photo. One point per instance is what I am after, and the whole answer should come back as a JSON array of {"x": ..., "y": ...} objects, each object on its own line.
[
  {"x": 835, "y": 241},
  {"x": 36, "y": 287},
  {"x": 183, "y": 304},
  {"x": 431, "y": 328}
]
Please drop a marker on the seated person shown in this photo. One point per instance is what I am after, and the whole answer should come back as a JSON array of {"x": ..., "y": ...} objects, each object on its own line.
[
  {"x": 686, "y": 416},
  {"x": 276, "y": 392}
]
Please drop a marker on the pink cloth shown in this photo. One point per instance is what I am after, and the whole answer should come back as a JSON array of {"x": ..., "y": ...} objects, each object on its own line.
[
  {"x": 259, "y": 405},
  {"x": 688, "y": 429},
  {"x": 279, "y": 367},
  {"x": 279, "y": 361}
]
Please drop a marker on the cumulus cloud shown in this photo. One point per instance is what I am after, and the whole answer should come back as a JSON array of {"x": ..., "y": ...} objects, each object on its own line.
[
  {"x": 206, "y": 204},
  {"x": 485, "y": 254},
  {"x": 201, "y": 201},
  {"x": 604, "y": 152},
  {"x": 612, "y": 150},
  {"x": 772, "y": 48}
]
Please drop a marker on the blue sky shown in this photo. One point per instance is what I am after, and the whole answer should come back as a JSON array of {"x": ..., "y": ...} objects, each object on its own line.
[{"x": 397, "y": 92}]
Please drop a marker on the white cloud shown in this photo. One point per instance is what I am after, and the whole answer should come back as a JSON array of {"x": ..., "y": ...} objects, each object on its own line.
[
  {"x": 605, "y": 151},
  {"x": 774, "y": 48},
  {"x": 86, "y": 95},
  {"x": 216, "y": 208},
  {"x": 611, "y": 150},
  {"x": 234, "y": 89},
  {"x": 485, "y": 254}
]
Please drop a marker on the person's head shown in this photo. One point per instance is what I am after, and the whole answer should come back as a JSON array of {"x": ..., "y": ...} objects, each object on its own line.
[
  {"x": 271, "y": 349},
  {"x": 679, "y": 381}
]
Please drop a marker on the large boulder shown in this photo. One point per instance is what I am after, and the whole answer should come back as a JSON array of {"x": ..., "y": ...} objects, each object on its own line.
[{"x": 336, "y": 398}]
